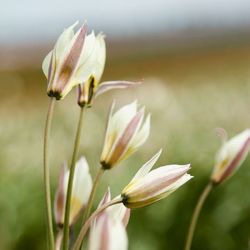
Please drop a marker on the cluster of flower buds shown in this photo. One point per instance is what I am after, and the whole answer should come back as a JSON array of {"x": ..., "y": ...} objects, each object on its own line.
[
  {"x": 230, "y": 156},
  {"x": 82, "y": 185},
  {"x": 78, "y": 59}
]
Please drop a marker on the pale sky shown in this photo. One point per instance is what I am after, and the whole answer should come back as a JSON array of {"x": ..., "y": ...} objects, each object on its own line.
[{"x": 31, "y": 21}]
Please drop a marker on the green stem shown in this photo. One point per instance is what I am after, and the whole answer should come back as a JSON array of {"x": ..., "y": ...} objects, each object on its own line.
[
  {"x": 196, "y": 214},
  {"x": 93, "y": 192},
  {"x": 47, "y": 173},
  {"x": 70, "y": 183},
  {"x": 86, "y": 226}
]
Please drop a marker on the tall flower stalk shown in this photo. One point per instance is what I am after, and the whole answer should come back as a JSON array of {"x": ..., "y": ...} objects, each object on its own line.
[
  {"x": 93, "y": 192},
  {"x": 229, "y": 158},
  {"x": 70, "y": 182},
  {"x": 47, "y": 173},
  {"x": 196, "y": 214}
]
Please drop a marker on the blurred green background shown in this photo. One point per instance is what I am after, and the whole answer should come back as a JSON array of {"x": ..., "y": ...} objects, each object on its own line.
[
  {"x": 191, "y": 86},
  {"x": 188, "y": 96}
]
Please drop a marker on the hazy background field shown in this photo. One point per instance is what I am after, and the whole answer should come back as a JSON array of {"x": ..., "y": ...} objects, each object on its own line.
[{"x": 195, "y": 80}]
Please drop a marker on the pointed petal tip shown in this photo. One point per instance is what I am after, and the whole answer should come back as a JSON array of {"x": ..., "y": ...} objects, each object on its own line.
[
  {"x": 159, "y": 152},
  {"x": 135, "y": 102},
  {"x": 222, "y": 134},
  {"x": 189, "y": 177},
  {"x": 74, "y": 24}
]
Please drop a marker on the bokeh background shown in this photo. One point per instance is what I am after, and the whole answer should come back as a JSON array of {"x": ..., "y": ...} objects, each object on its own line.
[{"x": 194, "y": 57}]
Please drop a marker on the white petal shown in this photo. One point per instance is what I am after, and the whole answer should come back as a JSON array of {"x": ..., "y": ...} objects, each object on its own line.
[
  {"x": 106, "y": 198},
  {"x": 46, "y": 63},
  {"x": 118, "y": 211},
  {"x": 87, "y": 59},
  {"x": 110, "y": 85},
  {"x": 185, "y": 178},
  {"x": 119, "y": 238},
  {"x": 147, "y": 166},
  {"x": 63, "y": 41},
  {"x": 233, "y": 146},
  {"x": 108, "y": 233},
  {"x": 122, "y": 117},
  {"x": 157, "y": 180},
  {"x": 142, "y": 135},
  {"x": 82, "y": 183},
  {"x": 100, "y": 57}
]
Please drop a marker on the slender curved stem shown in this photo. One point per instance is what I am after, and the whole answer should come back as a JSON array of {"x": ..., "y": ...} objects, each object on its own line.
[
  {"x": 86, "y": 225},
  {"x": 70, "y": 182},
  {"x": 93, "y": 192},
  {"x": 196, "y": 214},
  {"x": 47, "y": 172}
]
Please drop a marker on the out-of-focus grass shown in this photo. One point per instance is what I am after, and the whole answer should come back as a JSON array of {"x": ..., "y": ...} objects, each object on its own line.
[{"x": 188, "y": 96}]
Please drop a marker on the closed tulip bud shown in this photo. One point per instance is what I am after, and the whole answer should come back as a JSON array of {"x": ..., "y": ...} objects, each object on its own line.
[
  {"x": 97, "y": 61},
  {"x": 108, "y": 229},
  {"x": 230, "y": 156},
  {"x": 125, "y": 133},
  {"x": 67, "y": 65},
  {"x": 148, "y": 186},
  {"x": 82, "y": 185}
]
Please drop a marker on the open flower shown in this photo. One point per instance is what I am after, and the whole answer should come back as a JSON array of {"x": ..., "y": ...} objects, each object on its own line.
[
  {"x": 230, "y": 156},
  {"x": 68, "y": 64},
  {"x": 82, "y": 185},
  {"x": 108, "y": 229},
  {"x": 125, "y": 133},
  {"x": 148, "y": 187}
]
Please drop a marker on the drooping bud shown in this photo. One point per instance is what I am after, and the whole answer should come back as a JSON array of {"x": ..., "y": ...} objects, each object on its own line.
[
  {"x": 148, "y": 186},
  {"x": 230, "y": 156},
  {"x": 125, "y": 133},
  {"x": 97, "y": 60}
]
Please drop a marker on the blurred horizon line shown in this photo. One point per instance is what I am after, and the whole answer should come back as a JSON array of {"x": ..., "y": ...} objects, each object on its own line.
[{"x": 192, "y": 40}]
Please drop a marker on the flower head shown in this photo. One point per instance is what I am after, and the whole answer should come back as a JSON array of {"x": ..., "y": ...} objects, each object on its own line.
[
  {"x": 69, "y": 64},
  {"x": 97, "y": 61},
  {"x": 82, "y": 185},
  {"x": 108, "y": 229},
  {"x": 230, "y": 156},
  {"x": 125, "y": 133},
  {"x": 150, "y": 186}
]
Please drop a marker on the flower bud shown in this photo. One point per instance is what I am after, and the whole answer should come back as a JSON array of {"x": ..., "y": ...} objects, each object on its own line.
[
  {"x": 148, "y": 187},
  {"x": 92, "y": 87},
  {"x": 97, "y": 61},
  {"x": 230, "y": 156},
  {"x": 125, "y": 133},
  {"x": 68, "y": 65},
  {"x": 82, "y": 185},
  {"x": 108, "y": 229}
]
